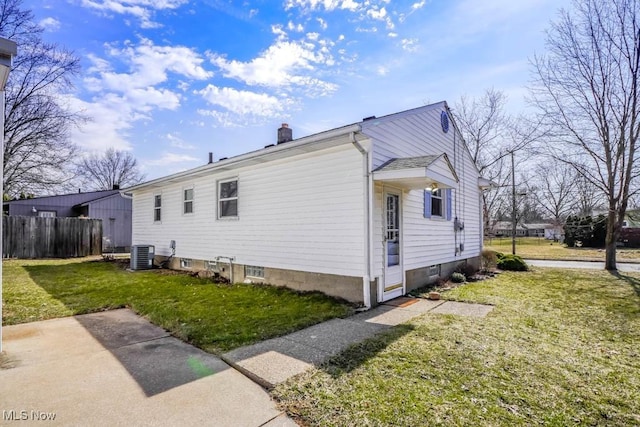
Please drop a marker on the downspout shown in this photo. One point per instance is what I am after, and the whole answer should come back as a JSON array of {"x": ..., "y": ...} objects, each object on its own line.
[{"x": 366, "y": 280}]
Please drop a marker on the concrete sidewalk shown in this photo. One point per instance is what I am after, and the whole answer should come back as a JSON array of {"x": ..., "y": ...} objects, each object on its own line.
[
  {"x": 115, "y": 368},
  {"x": 274, "y": 361},
  {"x": 626, "y": 267}
]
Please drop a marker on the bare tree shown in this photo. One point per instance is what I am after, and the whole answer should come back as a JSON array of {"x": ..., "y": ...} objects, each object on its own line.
[
  {"x": 113, "y": 169},
  {"x": 587, "y": 89},
  {"x": 491, "y": 136},
  {"x": 37, "y": 149},
  {"x": 554, "y": 190}
]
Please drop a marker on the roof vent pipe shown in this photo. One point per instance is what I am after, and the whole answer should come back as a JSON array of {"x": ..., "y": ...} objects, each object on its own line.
[
  {"x": 285, "y": 134},
  {"x": 210, "y": 157}
]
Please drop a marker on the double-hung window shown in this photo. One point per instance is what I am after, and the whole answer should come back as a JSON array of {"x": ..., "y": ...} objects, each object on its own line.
[
  {"x": 228, "y": 198},
  {"x": 436, "y": 203},
  {"x": 157, "y": 207},
  {"x": 187, "y": 201}
]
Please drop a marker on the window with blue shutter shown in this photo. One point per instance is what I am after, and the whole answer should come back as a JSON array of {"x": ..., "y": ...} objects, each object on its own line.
[{"x": 448, "y": 203}]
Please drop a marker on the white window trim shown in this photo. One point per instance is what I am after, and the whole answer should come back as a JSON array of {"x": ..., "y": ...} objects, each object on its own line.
[
  {"x": 220, "y": 200},
  {"x": 184, "y": 200},
  {"x": 157, "y": 208},
  {"x": 185, "y": 261}
]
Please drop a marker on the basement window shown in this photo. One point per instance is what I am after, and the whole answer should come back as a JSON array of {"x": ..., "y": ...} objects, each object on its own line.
[
  {"x": 185, "y": 262},
  {"x": 433, "y": 270},
  {"x": 254, "y": 271}
]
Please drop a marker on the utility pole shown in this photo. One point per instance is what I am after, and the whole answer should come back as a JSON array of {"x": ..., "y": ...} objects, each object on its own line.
[{"x": 513, "y": 201}]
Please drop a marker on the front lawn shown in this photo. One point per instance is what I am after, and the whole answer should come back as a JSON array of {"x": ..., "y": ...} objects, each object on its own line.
[
  {"x": 539, "y": 248},
  {"x": 214, "y": 317},
  {"x": 560, "y": 348}
]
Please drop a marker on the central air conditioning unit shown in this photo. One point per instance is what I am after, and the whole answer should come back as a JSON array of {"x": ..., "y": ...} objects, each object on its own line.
[{"x": 142, "y": 257}]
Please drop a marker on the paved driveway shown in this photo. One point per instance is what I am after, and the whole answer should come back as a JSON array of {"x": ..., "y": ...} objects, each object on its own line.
[
  {"x": 622, "y": 266},
  {"x": 115, "y": 368}
]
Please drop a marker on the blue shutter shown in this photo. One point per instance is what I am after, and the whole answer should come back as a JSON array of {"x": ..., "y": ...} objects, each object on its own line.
[
  {"x": 427, "y": 204},
  {"x": 448, "y": 203}
]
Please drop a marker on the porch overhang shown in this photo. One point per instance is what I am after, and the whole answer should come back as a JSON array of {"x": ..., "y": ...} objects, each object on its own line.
[{"x": 414, "y": 173}]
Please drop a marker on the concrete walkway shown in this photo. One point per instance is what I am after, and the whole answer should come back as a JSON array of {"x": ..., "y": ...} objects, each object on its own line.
[
  {"x": 274, "y": 361},
  {"x": 116, "y": 369},
  {"x": 626, "y": 267}
]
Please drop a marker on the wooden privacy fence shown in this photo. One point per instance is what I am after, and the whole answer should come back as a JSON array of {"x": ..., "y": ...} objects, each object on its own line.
[{"x": 35, "y": 237}]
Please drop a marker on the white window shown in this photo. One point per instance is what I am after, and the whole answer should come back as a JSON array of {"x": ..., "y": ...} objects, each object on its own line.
[
  {"x": 47, "y": 214},
  {"x": 187, "y": 201},
  {"x": 228, "y": 198},
  {"x": 157, "y": 207},
  {"x": 185, "y": 262},
  {"x": 254, "y": 271},
  {"x": 436, "y": 203}
]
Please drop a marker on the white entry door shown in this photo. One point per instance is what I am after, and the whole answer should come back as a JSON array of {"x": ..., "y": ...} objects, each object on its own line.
[{"x": 393, "y": 274}]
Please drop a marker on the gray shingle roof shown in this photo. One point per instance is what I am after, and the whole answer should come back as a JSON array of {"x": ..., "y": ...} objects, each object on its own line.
[{"x": 408, "y": 163}]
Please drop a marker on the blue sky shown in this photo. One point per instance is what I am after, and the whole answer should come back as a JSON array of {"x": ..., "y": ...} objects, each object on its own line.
[{"x": 172, "y": 80}]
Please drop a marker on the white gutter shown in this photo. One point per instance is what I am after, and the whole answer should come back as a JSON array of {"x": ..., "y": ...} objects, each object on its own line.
[{"x": 366, "y": 280}]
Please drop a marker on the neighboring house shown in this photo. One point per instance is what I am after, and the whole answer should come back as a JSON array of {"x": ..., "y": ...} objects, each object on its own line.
[
  {"x": 110, "y": 206},
  {"x": 345, "y": 211},
  {"x": 505, "y": 228},
  {"x": 546, "y": 230}
]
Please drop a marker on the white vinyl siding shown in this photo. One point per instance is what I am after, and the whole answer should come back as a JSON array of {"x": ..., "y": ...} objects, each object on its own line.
[
  {"x": 303, "y": 213},
  {"x": 427, "y": 241}
]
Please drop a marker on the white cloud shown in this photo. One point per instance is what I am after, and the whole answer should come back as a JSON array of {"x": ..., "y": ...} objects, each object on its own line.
[
  {"x": 377, "y": 13},
  {"x": 283, "y": 65},
  {"x": 122, "y": 98},
  {"x": 410, "y": 45},
  {"x": 392, "y": 34},
  {"x": 148, "y": 66},
  {"x": 313, "y": 36},
  {"x": 322, "y": 22},
  {"x": 293, "y": 27},
  {"x": 109, "y": 120},
  {"x": 168, "y": 159},
  {"x": 141, "y": 9},
  {"x": 242, "y": 102},
  {"x": 329, "y": 5},
  {"x": 50, "y": 24},
  {"x": 177, "y": 142},
  {"x": 418, "y": 5}
]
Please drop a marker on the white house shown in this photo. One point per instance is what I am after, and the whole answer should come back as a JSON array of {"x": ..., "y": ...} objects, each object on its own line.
[{"x": 366, "y": 212}]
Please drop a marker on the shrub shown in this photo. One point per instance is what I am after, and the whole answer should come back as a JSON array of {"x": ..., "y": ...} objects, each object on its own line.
[
  {"x": 512, "y": 263},
  {"x": 489, "y": 259},
  {"x": 458, "y": 278}
]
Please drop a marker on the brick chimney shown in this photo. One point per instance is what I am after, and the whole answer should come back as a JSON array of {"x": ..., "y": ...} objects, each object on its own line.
[{"x": 285, "y": 134}]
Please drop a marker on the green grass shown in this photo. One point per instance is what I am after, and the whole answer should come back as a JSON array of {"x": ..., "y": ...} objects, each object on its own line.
[
  {"x": 214, "y": 317},
  {"x": 539, "y": 248},
  {"x": 560, "y": 348}
]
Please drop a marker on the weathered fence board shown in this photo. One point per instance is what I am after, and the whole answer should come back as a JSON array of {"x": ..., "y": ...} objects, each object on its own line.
[{"x": 35, "y": 237}]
